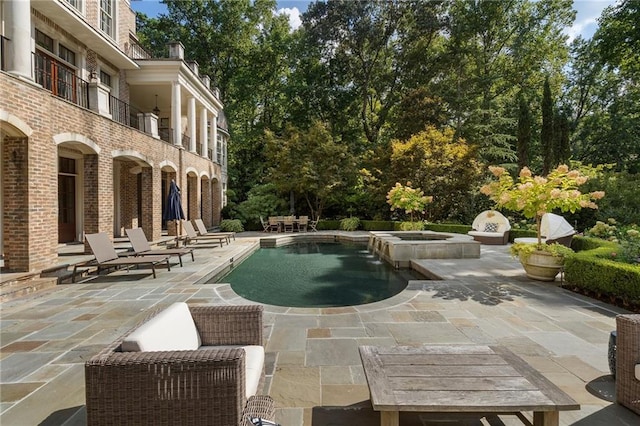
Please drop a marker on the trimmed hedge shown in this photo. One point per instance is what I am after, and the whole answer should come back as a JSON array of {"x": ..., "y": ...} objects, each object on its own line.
[
  {"x": 453, "y": 228},
  {"x": 377, "y": 225},
  {"x": 328, "y": 225},
  {"x": 592, "y": 269}
]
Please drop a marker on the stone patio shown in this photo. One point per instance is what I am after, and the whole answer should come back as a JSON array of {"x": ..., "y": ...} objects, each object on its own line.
[{"x": 313, "y": 367}]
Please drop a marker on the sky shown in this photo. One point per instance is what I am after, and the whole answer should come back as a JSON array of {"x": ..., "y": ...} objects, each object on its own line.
[{"x": 588, "y": 11}]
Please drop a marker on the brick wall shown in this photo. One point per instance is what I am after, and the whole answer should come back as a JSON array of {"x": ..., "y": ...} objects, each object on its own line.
[{"x": 30, "y": 219}]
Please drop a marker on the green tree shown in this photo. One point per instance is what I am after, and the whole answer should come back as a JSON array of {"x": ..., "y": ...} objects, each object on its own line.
[
  {"x": 524, "y": 131},
  {"x": 546, "y": 133},
  {"x": 444, "y": 165},
  {"x": 310, "y": 164}
]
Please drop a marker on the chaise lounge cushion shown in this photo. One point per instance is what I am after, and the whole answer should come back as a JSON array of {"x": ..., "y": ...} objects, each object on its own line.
[{"x": 172, "y": 329}]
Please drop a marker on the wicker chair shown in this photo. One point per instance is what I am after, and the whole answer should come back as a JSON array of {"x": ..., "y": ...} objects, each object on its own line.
[
  {"x": 198, "y": 387},
  {"x": 628, "y": 361}
]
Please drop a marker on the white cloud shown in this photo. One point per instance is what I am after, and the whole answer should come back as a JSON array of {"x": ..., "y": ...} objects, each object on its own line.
[
  {"x": 586, "y": 23},
  {"x": 294, "y": 16}
]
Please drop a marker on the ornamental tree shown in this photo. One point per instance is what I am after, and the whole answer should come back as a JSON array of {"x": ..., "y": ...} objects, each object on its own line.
[
  {"x": 408, "y": 199},
  {"x": 536, "y": 195}
]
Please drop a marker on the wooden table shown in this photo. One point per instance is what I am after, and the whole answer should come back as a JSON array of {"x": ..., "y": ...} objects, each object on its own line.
[{"x": 459, "y": 379}]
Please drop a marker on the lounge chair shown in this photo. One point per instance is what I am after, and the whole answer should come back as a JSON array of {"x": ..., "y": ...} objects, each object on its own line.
[
  {"x": 490, "y": 227},
  {"x": 553, "y": 229},
  {"x": 628, "y": 361},
  {"x": 202, "y": 230},
  {"x": 192, "y": 235},
  {"x": 107, "y": 257},
  {"x": 141, "y": 246}
]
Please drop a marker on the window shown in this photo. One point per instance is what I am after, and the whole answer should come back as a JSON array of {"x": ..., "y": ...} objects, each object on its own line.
[
  {"x": 106, "y": 16},
  {"x": 44, "y": 41},
  {"x": 105, "y": 79},
  {"x": 76, "y": 4},
  {"x": 67, "y": 55}
]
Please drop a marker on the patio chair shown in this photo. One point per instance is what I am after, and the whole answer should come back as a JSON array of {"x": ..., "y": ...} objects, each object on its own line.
[
  {"x": 556, "y": 229},
  {"x": 274, "y": 223},
  {"x": 313, "y": 224},
  {"x": 107, "y": 257},
  {"x": 184, "y": 365},
  {"x": 490, "y": 227},
  {"x": 192, "y": 235},
  {"x": 628, "y": 361},
  {"x": 265, "y": 225},
  {"x": 288, "y": 223},
  {"x": 141, "y": 246},
  {"x": 303, "y": 222},
  {"x": 202, "y": 230}
]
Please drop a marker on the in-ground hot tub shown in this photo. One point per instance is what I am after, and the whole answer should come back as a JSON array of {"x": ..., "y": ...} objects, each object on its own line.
[{"x": 399, "y": 247}]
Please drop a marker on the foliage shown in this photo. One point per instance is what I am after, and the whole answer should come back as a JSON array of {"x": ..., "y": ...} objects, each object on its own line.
[
  {"x": 231, "y": 225},
  {"x": 593, "y": 271},
  {"x": 630, "y": 246},
  {"x": 524, "y": 250},
  {"x": 328, "y": 225},
  {"x": 628, "y": 238},
  {"x": 349, "y": 224},
  {"x": 262, "y": 200},
  {"x": 309, "y": 163},
  {"x": 536, "y": 195},
  {"x": 408, "y": 199},
  {"x": 546, "y": 133},
  {"x": 440, "y": 162},
  {"x": 448, "y": 227},
  {"x": 412, "y": 226},
  {"x": 377, "y": 225},
  {"x": 524, "y": 131}
]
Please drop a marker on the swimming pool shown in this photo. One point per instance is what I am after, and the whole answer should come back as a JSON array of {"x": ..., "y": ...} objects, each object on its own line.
[{"x": 312, "y": 274}]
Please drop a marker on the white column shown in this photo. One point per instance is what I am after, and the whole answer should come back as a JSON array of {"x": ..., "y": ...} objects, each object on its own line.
[
  {"x": 203, "y": 131},
  {"x": 18, "y": 27},
  {"x": 191, "y": 119},
  {"x": 176, "y": 113},
  {"x": 214, "y": 137}
]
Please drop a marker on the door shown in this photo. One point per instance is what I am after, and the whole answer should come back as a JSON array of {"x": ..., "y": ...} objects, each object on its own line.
[{"x": 67, "y": 201}]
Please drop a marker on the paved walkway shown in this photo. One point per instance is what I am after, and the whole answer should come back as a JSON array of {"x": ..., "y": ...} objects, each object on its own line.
[{"x": 313, "y": 366}]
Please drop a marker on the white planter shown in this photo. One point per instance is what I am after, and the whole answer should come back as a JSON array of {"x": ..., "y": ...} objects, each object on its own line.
[{"x": 542, "y": 266}]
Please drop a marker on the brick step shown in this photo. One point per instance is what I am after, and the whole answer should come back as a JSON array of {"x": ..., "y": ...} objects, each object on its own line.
[{"x": 14, "y": 289}]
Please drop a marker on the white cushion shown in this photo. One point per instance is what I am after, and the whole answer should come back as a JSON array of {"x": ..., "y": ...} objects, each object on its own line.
[
  {"x": 253, "y": 365},
  {"x": 171, "y": 330},
  {"x": 637, "y": 372},
  {"x": 485, "y": 234}
]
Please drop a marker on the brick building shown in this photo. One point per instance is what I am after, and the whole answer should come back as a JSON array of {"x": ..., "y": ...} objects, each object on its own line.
[{"x": 93, "y": 129}]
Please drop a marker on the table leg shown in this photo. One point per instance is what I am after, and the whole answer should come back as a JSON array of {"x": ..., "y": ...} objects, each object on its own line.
[
  {"x": 546, "y": 418},
  {"x": 389, "y": 418}
]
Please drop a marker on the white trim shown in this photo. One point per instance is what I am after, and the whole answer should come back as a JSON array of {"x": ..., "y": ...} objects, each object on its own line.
[{"x": 93, "y": 148}]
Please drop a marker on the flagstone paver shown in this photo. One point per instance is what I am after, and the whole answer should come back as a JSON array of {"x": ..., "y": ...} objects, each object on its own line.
[{"x": 313, "y": 368}]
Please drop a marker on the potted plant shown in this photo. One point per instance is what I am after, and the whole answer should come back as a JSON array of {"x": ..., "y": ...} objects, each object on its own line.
[{"x": 534, "y": 196}]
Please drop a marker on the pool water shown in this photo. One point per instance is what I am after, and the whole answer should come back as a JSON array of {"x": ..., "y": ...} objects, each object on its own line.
[{"x": 317, "y": 275}]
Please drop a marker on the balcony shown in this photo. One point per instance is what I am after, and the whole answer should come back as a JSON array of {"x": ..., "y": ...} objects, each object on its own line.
[{"x": 60, "y": 80}]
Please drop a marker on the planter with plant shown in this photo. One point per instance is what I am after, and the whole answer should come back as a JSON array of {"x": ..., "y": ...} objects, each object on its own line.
[{"x": 534, "y": 196}]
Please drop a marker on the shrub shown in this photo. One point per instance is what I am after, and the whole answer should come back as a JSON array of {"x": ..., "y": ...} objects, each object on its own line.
[
  {"x": 592, "y": 268},
  {"x": 412, "y": 226},
  {"x": 453, "y": 228},
  {"x": 349, "y": 224},
  {"x": 377, "y": 225},
  {"x": 328, "y": 225},
  {"x": 231, "y": 225}
]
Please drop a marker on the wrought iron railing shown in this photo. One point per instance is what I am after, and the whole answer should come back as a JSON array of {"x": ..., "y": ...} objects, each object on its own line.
[
  {"x": 166, "y": 135},
  {"x": 123, "y": 113},
  {"x": 3, "y": 50},
  {"x": 186, "y": 141},
  {"x": 60, "y": 80}
]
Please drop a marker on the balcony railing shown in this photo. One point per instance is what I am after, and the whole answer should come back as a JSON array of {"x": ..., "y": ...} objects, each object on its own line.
[
  {"x": 123, "y": 113},
  {"x": 136, "y": 51},
  {"x": 3, "y": 51},
  {"x": 166, "y": 134},
  {"x": 60, "y": 80}
]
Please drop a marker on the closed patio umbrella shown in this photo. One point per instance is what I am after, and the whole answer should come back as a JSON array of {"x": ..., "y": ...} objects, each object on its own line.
[{"x": 173, "y": 208}]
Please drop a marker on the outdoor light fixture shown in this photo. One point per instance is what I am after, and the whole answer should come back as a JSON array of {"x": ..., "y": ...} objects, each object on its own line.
[{"x": 156, "y": 110}]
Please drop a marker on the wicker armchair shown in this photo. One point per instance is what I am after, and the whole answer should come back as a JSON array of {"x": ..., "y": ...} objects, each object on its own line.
[
  {"x": 198, "y": 387},
  {"x": 627, "y": 358}
]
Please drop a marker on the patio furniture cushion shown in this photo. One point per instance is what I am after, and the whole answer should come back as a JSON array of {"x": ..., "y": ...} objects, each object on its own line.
[
  {"x": 254, "y": 363},
  {"x": 172, "y": 329},
  {"x": 490, "y": 227},
  {"x": 637, "y": 372}
]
